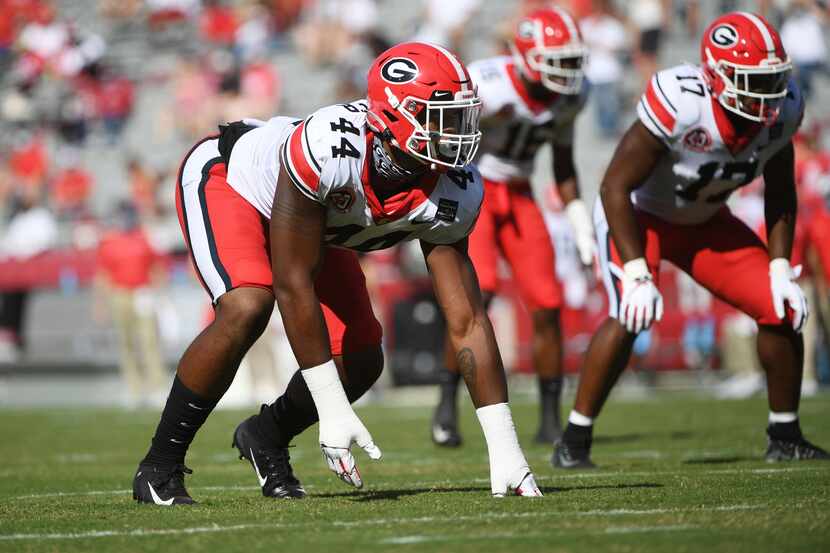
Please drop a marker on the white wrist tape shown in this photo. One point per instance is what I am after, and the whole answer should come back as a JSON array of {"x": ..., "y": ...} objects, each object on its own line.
[
  {"x": 577, "y": 214},
  {"x": 506, "y": 458},
  {"x": 780, "y": 267},
  {"x": 327, "y": 391},
  {"x": 637, "y": 269}
]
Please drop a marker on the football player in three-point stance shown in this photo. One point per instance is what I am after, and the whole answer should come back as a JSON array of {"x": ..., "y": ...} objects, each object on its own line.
[
  {"x": 529, "y": 99},
  {"x": 704, "y": 131},
  {"x": 278, "y": 209}
]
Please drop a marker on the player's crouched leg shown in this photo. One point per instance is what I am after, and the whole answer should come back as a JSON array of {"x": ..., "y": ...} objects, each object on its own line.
[{"x": 781, "y": 351}]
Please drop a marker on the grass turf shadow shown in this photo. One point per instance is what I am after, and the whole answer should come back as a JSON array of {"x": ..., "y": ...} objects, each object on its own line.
[{"x": 394, "y": 495}]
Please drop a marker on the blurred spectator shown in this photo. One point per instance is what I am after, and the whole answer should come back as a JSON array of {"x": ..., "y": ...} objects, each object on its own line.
[
  {"x": 165, "y": 13},
  {"x": 606, "y": 38},
  {"x": 143, "y": 186},
  {"x": 446, "y": 23},
  {"x": 194, "y": 90},
  {"x": 336, "y": 28},
  {"x": 28, "y": 161},
  {"x": 31, "y": 230},
  {"x": 119, "y": 9},
  {"x": 110, "y": 98},
  {"x": 803, "y": 36},
  {"x": 70, "y": 191},
  {"x": 218, "y": 23},
  {"x": 127, "y": 269},
  {"x": 649, "y": 18}
]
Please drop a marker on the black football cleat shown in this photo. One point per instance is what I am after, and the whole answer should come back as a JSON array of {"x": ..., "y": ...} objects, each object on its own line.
[
  {"x": 446, "y": 435},
  {"x": 571, "y": 456},
  {"x": 444, "y": 429},
  {"x": 161, "y": 485},
  {"x": 271, "y": 463},
  {"x": 793, "y": 450}
]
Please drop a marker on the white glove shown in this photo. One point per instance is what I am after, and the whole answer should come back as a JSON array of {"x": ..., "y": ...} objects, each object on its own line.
[
  {"x": 785, "y": 289},
  {"x": 339, "y": 425},
  {"x": 509, "y": 470},
  {"x": 641, "y": 303},
  {"x": 586, "y": 243}
]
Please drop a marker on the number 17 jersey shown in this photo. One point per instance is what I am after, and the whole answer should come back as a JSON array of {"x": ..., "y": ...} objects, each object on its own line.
[{"x": 707, "y": 159}]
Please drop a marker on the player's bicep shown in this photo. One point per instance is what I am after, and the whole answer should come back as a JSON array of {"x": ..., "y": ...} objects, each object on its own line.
[
  {"x": 297, "y": 229},
  {"x": 634, "y": 160}
]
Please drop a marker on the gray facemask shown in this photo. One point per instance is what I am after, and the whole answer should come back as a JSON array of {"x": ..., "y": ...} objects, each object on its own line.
[{"x": 385, "y": 166}]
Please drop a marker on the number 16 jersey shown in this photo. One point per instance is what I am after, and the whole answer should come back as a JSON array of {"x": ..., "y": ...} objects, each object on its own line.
[{"x": 707, "y": 158}]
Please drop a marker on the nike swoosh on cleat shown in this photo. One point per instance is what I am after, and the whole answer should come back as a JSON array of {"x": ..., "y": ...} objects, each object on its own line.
[
  {"x": 197, "y": 407},
  {"x": 156, "y": 499},
  {"x": 256, "y": 470}
]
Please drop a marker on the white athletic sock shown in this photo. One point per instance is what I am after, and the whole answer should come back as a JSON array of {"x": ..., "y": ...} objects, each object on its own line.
[
  {"x": 782, "y": 417},
  {"x": 508, "y": 465},
  {"x": 579, "y": 419}
]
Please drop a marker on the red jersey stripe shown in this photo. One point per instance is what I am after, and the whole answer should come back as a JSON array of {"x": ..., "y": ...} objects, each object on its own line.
[{"x": 658, "y": 109}]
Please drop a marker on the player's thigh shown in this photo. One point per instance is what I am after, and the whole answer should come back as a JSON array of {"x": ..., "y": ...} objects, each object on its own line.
[
  {"x": 227, "y": 237},
  {"x": 651, "y": 231},
  {"x": 482, "y": 244},
  {"x": 528, "y": 250},
  {"x": 727, "y": 258},
  {"x": 341, "y": 288}
]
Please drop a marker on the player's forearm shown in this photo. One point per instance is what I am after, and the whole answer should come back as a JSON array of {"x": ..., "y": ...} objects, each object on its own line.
[
  {"x": 568, "y": 189},
  {"x": 622, "y": 221},
  {"x": 303, "y": 321},
  {"x": 478, "y": 360},
  {"x": 780, "y": 207}
]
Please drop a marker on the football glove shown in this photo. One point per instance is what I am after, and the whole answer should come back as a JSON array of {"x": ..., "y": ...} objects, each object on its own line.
[
  {"x": 785, "y": 290},
  {"x": 641, "y": 303},
  {"x": 340, "y": 426},
  {"x": 586, "y": 243}
]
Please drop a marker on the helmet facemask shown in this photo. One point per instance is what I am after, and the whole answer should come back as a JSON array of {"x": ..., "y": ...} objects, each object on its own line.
[
  {"x": 753, "y": 92},
  {"x": 446, "y": 132},
  {"x": 560, "y": 68}
]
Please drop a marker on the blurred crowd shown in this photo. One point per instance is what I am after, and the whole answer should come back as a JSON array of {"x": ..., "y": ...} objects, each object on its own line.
[{"x": 109, "y": 84}]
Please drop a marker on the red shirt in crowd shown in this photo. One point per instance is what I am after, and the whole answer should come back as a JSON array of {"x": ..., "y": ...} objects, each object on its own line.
[
  {"x": 127, "y": 259},
  {"x": 71, "y": 188}
]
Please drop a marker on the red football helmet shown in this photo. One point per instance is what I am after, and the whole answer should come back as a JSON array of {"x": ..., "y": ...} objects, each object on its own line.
[
  {"x": 422, "y": 99},
  {"x": 746, "y": 65},
  {"x": 548, "y": 48}
]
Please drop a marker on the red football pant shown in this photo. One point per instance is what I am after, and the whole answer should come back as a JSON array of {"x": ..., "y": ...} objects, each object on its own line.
[
  {"x": 229, "y": 243},
  {"x": 511, "y": 224},
  {"x": 723, "y": 255}
]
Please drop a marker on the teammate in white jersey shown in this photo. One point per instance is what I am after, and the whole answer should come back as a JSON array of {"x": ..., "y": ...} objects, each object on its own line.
[
  {"x": 528, "y": 100},
  {"x": 278, "y": 209},
  {"x": 704, "y": 131}
]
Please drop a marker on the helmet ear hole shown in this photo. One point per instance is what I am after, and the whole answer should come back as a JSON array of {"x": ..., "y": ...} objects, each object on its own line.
[{"x": 391, "y": 116}]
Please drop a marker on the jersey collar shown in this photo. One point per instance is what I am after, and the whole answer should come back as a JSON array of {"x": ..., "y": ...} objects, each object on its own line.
[
  {"x": 534, "y": 105},
  {"x": 397, "y": 205}
]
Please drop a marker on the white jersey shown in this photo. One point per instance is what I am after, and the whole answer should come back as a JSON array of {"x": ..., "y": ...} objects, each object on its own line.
[
  {"x": 707, "y": 161},
  {"x": 328, "y": 158},
  {"x": 514, "y": 124}
]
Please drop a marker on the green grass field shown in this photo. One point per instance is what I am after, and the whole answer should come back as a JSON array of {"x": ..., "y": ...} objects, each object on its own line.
[{"x": 676, "y": 474}]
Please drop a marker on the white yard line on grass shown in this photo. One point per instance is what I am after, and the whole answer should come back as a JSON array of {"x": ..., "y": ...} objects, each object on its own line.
[
  {"x": 486, "y": 516},
  {"x": 648, "y": 529}
]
